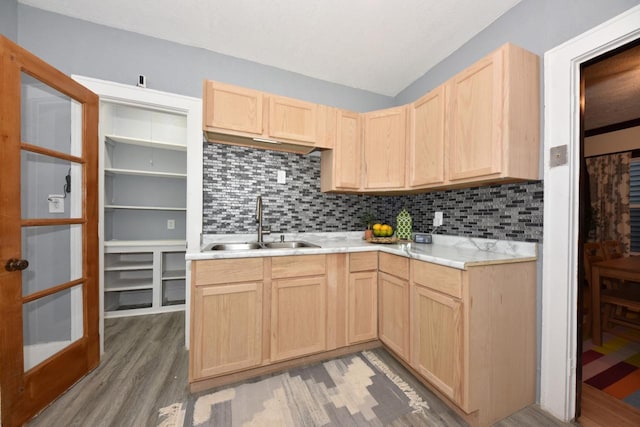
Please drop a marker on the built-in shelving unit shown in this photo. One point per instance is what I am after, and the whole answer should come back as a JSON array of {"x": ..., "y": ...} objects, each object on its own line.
[
  {"x": 142, "y": 277},
  {"x": 145, "y": 171},
  {"x": 145, "y": 137}
]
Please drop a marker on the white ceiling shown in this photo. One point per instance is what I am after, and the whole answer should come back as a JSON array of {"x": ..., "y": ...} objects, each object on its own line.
[{"x": 378, "y": 45}]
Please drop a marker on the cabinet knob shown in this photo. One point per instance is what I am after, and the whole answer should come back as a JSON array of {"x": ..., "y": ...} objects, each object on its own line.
[{"x": 15, "y": 264}]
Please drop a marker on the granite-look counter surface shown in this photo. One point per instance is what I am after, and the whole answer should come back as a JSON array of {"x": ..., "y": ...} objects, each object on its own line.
[{"x": 452, "y": 251}]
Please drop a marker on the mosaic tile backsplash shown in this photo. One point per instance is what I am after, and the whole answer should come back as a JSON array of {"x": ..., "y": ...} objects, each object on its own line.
[{"x": 235, "y": 176}]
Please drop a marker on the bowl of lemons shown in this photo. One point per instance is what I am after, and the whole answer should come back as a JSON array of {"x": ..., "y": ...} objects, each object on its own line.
[{"x": 382, "y": 233}]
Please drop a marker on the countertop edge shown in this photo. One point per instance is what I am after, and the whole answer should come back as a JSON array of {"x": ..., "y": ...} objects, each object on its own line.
[{"x": 401, "y": 250}]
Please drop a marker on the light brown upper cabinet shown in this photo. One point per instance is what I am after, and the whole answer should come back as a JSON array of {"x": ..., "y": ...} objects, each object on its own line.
[
  {"x": 233, "y": 109},
  {"x": 480, "y": 127},
  {"x": 426, "y": 149},
  {"x": 341, "y": 168},
  {"x": 293, "y": 120},
  {"x": 384, "y": 149},
  {"x": 494, "y": 118},
  {"x": 240, "y": 116}
]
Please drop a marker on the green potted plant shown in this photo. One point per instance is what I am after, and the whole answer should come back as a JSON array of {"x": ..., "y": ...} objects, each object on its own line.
[{"x": 368, "y": 219}]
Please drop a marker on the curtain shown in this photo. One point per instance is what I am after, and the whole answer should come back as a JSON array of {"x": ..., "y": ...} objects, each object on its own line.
[{"x": 609, "y": 191}]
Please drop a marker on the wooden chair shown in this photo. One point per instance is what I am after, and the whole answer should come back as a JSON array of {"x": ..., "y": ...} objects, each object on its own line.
[
  {"x": 592, "y": 252},
  {"x": 612, "y": 249},
  {"x": 625, "y": 298}
]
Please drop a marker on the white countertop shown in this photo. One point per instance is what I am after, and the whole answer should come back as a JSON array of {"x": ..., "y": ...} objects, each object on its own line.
[{"x": 452, "y": 251}]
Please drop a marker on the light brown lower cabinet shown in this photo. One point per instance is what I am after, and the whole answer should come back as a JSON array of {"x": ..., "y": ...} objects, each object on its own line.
[
  {"x": 437, "y": 340},
  {"x": 469, "y": 334},
  {"x": 393, "y": 303},
  {"x": 393, "y": 315},
  {"x": 226, "y": 317},
  {"x": 298, "y": 317},
  {"x": 474, "y": 336},
  {"x": 362, "y": 297}
]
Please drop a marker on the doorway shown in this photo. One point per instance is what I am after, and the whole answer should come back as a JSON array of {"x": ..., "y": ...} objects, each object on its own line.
[
  {"x": 610, "y": 123},
  {"x": 561, "y": 188}
]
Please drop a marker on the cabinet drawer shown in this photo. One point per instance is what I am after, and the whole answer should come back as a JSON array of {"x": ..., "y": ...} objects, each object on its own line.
[
  {"x": 437, "y": 277},
  {"x": 298, "y": 266},
  {"x": 363, "y": 261},
  {"x": 394, "y": 264},
  {"x": 212, "y": 272}
]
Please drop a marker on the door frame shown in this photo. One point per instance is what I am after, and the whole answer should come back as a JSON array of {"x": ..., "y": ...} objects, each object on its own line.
[
  {"x": 191, "y": 108},
  {"x": 561, "y": 200}
]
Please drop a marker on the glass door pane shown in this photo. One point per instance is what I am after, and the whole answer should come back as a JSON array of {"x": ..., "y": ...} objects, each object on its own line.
[
  {"x": 54, "y": 254},
  {"x": 49, "y": 186},
  {"x": 51, "y": 191},
  {"x": 49, "y": 118},
  {"x": 50, "y": 324}
]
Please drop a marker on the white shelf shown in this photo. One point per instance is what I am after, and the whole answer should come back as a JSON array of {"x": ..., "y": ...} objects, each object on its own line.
[
  {"x": 128, "y": 265},
  {"x": 128, "y": 310},
  {"x": 174, "y": 275},
  {"x": 146, "y": 142},
  {"x": 145, "y": 208},
  {"x": 179, "y": 244},
  {"x": 137, "y": 172},
  {"x": 128, "y": 285}
]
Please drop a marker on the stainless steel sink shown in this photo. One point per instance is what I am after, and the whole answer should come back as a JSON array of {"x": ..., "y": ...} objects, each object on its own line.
[
  {"x": 255, "y": 245},
  {"x": 289, "y": 245},
  {"x": 233, "y": 246}
]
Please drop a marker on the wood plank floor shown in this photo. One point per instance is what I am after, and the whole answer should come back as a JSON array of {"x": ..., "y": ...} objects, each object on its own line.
[
  {"x": 600, "y": 409},
  {"x": 144, "y": 368}
]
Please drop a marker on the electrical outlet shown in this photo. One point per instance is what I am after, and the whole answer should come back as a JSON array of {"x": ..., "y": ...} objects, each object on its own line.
[
  {"x": 171, "y": 224},
  {"x": 437, "y": 219},
  {"x": 282, "y": 177},
  {"x": 56, "y": 203}
]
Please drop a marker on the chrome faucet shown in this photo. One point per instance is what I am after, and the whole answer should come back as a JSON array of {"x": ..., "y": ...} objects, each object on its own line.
[{"x": 261, "y": 230}]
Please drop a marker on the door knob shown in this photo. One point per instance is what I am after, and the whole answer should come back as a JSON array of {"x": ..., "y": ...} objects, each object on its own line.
[{"x": 16, "y": 264}]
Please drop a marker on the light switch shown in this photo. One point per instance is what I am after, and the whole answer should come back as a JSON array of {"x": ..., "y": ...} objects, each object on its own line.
[
  {"x": 282, "y": 177},
  {"x": 558, "y": 156}
]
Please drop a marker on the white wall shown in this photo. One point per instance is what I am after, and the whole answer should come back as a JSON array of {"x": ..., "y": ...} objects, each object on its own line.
[
  {"x": 9, "y": 19},
  {"x": 536, "y": 25},
  {"x": 88, "y": 49}
]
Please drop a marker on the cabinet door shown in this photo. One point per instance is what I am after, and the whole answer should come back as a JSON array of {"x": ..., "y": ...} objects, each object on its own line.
[
  {"x": 293, "y": 119},
  {"x": 427, "y": 140},
  {"x": 298, "y": 317},
  {"x": 393, "y": 315},
  {"x": 475, "y": 129},
  {"x": 362, "y": 306},
  {"x": 232, "y": 108},
  {"x": 384, "y": 148},
  {"x": 437, "y": 340},
  {"x": 227, "y": 322},
  {"x": 348, "y": 151}
]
